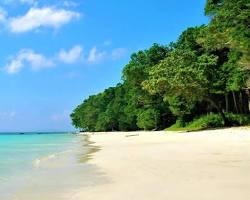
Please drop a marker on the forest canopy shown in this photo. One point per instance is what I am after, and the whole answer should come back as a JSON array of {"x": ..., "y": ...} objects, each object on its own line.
[{"x": 204, "y": 73}]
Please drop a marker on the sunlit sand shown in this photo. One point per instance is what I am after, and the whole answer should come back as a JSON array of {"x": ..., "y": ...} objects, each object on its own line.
[{"x": 207, "y": 165}]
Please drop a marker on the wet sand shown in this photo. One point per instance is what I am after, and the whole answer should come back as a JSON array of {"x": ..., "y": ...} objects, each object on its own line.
[
  {"x": 55, "y": 176},
  {"x": 206, "y": 165}
]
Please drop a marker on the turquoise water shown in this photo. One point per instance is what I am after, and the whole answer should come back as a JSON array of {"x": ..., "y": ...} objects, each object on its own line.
[
  {"x": 34, "y": 164},
  {"x": 19, "y": 152}
]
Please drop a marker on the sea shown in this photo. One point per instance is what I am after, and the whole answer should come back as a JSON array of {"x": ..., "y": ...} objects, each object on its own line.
[{"x": 44, "y": 166}]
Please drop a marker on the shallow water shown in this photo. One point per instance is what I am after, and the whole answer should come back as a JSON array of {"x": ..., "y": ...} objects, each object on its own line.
[{"x": 44, "y": 166}]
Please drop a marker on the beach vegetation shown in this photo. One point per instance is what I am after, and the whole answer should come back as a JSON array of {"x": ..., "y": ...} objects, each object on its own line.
[
  {"x": 199, "y": 81},
  {"x": 209, "y": 121}
]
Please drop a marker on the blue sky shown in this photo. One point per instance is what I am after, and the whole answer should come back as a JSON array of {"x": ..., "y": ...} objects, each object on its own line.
[{"x": 55, "y": 53}]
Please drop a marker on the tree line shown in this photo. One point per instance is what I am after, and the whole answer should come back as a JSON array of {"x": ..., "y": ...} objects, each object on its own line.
[{"x": 206, "y": 70}]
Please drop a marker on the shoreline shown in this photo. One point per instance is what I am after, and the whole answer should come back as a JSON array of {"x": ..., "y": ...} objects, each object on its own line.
[
  {"x": 236, "y": 128},
  {"x": 209, "y": 164},
  {"x": 55, "y": 166}
]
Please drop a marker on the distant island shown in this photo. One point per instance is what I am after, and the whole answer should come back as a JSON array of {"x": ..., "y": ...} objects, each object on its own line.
[{"x": 200, "y": 81}]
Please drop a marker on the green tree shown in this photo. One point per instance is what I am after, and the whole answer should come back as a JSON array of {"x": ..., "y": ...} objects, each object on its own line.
[
  {"x": 134, "y": 73},
  {"x": 229, "y": 25},
  {"x": 183, "y": 78},
  {"x": 148, "y": 119}
]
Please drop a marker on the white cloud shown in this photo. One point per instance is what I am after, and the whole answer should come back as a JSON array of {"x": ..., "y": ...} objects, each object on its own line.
[
  {"x": 96, "y": 56},
  {"x": 107, "y": 43},
  {"x": 7, "y": 115},
  {"x": 62, "y": 3},
  {"x": 30, "y": 58},
  {"x": 68, "y": 3},
  {"x": 28, "y": 1},
  {"x": 36, "y": 18},
  {"x": 20, "y": 1},
  {"x": 72, "y": 75},
  {"x": 71, "y": 56},
  {"x": 36, "y": 61},
  {"x": 3, "y": 15},
  {"x": 118, "y": 53}
]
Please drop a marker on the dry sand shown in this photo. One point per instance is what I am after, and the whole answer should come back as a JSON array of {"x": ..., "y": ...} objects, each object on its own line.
[{"x": 207, "y": 165}]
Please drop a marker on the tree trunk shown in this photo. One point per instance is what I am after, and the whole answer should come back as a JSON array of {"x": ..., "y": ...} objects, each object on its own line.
[
  {"x": 227, "y": 104},
  {"x": 155, "y": 122},
  {"x": 235, "y": 103},
  {"x": 225, "y": 120},
  {"x": 248, "y": 100},
  {"x": 241, "y": 103}
]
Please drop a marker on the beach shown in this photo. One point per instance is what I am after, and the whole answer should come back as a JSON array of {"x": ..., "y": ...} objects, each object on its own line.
[
  {"x": 205, "y": 165},
  {"x": 202, "y": 165},
  {"x": 44, "y": 166}
]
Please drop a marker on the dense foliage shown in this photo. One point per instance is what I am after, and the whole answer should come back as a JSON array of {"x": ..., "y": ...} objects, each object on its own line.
[{"x": 206, "y": 70}]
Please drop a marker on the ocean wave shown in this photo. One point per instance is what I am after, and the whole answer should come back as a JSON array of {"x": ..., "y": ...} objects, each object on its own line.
[
  {"x": 43, "y": 160},
  {"x": 3, "y": 179}
]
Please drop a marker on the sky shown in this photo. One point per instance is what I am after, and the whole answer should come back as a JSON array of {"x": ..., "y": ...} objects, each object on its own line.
[{"x": 55, "y": 53}]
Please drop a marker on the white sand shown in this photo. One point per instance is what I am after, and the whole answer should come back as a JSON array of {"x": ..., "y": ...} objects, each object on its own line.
[{"x": 208, "y": 165}]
